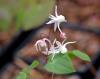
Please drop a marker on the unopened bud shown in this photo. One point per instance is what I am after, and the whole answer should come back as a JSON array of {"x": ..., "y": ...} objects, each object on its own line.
[{"x": 63, "y": 35}]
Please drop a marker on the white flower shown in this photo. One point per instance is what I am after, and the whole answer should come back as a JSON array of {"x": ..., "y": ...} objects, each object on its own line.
[
  {"x": 47, "y": 50},
  {"x": 59, "y": 48},
  {"x": 57, "y": 19},
  {"x": 55, "y": 47},
  {"x": 53, "y": 50},
  {"x": 62, "y": 46},
  {"x": 42, "y": 46}
]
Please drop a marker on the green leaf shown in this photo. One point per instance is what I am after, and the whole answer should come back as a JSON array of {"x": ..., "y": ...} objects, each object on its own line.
[
  {"x": 24, "y": 14},
  {"x": 32, "y": 13},
  {"x": 34, "y": 64},
  {"x": 61, "y": 64},
  {"x": 4, "y": 25},
  {"x": 19, "y": 18},
  {"x": 81, "y": 55},
  {"x": 37, "y": 13},
  {"x": 5, "y": 17},
  {"x": 71, "y": 55},
  {"x": 22, "y": 75},
  {"x": 25, "y": 72}
]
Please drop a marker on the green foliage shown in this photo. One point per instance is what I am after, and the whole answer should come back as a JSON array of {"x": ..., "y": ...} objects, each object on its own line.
[
  {"x": 81, "y": 55},
  {"x": 37, "y": 13},
  {"x": 34, "y": 64},
  {"x": 61, "y": 64},
  {"x": 22, "y": 75},
  {"x": 25, "y": 72},
  {"x": 26, "y": 14},
  {"x": 5, "y": 18}
]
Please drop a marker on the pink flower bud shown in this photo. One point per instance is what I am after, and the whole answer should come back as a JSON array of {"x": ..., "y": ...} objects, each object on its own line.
[{"x": 63, "y": 35}]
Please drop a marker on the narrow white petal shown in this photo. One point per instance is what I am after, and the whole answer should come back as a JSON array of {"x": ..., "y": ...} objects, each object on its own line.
[
  {"x": 56, "y": 14},
  {"x": 69, "y": 43},
  {"x": 50, "y": 22},
  {"x": 59, "y": 27},
  {"x": 55, "y": 26},
  {"x": 52, "y": 17}
]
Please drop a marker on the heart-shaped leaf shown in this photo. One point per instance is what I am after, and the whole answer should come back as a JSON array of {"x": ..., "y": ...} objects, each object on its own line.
[{"x": 61, "y": 64}]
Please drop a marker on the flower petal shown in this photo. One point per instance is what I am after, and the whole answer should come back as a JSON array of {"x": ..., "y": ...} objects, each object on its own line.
[
  {"x": 45, "y": 39},
  {"x": 69, "y": 43},
  {"x": 50, "y": 22},
  {"x": 55, "y": 26},
  {"x": 59, "y": 27},
  {"x": 56, "y": 14},
  {"x": 52, "y": 17}
]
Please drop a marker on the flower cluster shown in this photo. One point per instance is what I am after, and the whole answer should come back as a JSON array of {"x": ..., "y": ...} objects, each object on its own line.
[
  {"x": 55, "y": 47},
  {"x": 46, "y": 46}
]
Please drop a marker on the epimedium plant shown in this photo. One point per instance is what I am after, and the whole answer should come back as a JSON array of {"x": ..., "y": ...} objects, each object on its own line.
[
  {"x": 58, "y": 56},
  {"x": 61, "y": 64}
]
